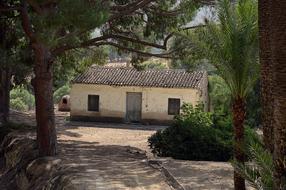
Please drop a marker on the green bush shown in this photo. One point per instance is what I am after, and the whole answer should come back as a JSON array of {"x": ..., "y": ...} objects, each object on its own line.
[
  {"x": 197, "y": 135},
  {"x": 59, "y": 93},
  {"x": 21, "y": 99},
  {"x": 193, "y": 136},
  {"x": 193, "y": 116},
  {"x": 18, "y": 104}
]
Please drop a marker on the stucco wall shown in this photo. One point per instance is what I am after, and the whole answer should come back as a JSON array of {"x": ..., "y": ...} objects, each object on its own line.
[{"x": 112, "y": 100}]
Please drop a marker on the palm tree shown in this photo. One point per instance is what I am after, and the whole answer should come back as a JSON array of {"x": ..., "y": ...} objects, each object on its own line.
[
  {"x": 231, "y": 45},
  {"x": 277, "y": 46},
  {"x": 258, "y": 172}
]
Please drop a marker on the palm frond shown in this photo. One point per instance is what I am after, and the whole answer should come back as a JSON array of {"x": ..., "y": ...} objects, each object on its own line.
[
  {"x": 258, "y": 171},
  {"x": 231, "y": 44}
]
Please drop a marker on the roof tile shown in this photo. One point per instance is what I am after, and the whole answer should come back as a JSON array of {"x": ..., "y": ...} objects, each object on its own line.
[{"x": 166, "y": 78}]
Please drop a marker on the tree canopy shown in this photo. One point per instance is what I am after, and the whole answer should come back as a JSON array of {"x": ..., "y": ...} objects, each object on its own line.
[{"x": 129, "y": 25}]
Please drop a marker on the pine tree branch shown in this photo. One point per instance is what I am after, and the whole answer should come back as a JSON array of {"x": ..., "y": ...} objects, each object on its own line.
[
  {"x": 116, "y": 37},
  {"x": 26, "y": 24},
  {"x": 125, "y": 7},
  {"x": 130, "y": 9},
  {"x": 120, "y": 37},
  {"x": 147, "y": 54}
]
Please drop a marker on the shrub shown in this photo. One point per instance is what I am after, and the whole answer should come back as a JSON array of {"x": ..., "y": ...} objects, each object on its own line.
[
  {"x": 21, "y": 99},
  {"x": 59, "y": 93},
  {"x": 197, "y": 135},
  {"x": 193, "y": 116},
  {"x": 193, "y": 136},
  {"x": 18, "y": 104}
]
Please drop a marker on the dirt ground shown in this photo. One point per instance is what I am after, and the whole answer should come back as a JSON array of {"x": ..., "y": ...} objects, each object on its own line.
[
  {"x": 108, "y": 134},
  {"x": 112, "y": 156},
  {"x": 104, "y": 156}
]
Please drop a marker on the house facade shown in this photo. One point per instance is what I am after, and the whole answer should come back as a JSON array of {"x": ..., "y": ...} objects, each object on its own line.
[{"x": 128, "y": 95}]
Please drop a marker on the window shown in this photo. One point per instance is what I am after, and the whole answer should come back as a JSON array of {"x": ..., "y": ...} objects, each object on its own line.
[
  {"x": 93, "y": 103},
  {"x": 173, "y": 106}
]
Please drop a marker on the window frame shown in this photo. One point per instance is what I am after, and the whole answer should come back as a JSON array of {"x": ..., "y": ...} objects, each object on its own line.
[
  {"x": 169, "y": 106},
  {"x": 89, "y": 106}
]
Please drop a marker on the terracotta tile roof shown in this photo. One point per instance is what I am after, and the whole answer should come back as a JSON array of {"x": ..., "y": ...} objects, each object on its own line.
[{"x": 166, "y": 78}]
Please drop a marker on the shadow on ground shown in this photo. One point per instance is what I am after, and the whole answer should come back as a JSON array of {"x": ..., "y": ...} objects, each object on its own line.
[
  {"x": 93, "y": 166},
  {"x": 201, "y": 175}
]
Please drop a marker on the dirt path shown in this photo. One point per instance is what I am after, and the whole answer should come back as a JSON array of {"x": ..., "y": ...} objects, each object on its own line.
[
  {"x": 104, "y": 156},
  {"x": 112, "y": 157}
]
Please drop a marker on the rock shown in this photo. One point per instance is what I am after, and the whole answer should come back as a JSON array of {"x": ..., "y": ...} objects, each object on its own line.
[
  {"x": 42, "y": 171},
  {"x": 17, "y": 151},
  {"x": 24, "y": 170},
  {"x": 22, "y": 180},
  {"x": 42, "y": 166},
  {"x": 61, "y": 182},
  {"x": 20, "y": 149}
]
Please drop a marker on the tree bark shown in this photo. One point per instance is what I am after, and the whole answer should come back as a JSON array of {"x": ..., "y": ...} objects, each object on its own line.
[
  {"x": 43, "y": 85},
  {"x": 5, "y": 74},
  {"x": 238, "y": 111},
  {"x": 278, "y": 56},
  {"x": 266, "y": 74}
]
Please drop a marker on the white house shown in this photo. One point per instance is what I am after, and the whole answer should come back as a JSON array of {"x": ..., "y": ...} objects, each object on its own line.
[{"x": 128, "y": 95}]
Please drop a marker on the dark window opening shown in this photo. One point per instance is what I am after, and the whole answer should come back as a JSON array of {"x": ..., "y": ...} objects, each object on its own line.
[
  {"x": 65, "y": 101},
  {"x": 93, "y": 103},
  {"x": 174, "y": 106}
]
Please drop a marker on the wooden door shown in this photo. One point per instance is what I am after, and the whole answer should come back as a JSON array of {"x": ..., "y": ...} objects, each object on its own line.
[{"x": 133, "y": 106}]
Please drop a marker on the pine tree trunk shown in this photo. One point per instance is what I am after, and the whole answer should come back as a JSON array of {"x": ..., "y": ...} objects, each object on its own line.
[
  {"x": 266, "y": 74},
  {"x": 43, "y": 85},
  {"x": 238, "y": 111},
  {"x": 5, "y": 86},
  {"x": 278, "y": 56}
]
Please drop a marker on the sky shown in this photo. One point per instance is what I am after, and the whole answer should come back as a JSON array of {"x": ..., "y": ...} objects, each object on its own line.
[{"x": 202, "y": 14}]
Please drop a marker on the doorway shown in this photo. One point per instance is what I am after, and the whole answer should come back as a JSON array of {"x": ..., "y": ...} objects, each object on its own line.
[{"x": 133, "y": 106}]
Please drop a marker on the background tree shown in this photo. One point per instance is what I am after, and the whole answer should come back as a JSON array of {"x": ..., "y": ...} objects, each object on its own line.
[
  {"x": 220, "y": 95},
  {"x": 15, "y": 59},
  {"x": 231, "y": 45},
  {"x": 71, "y": 63}
]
